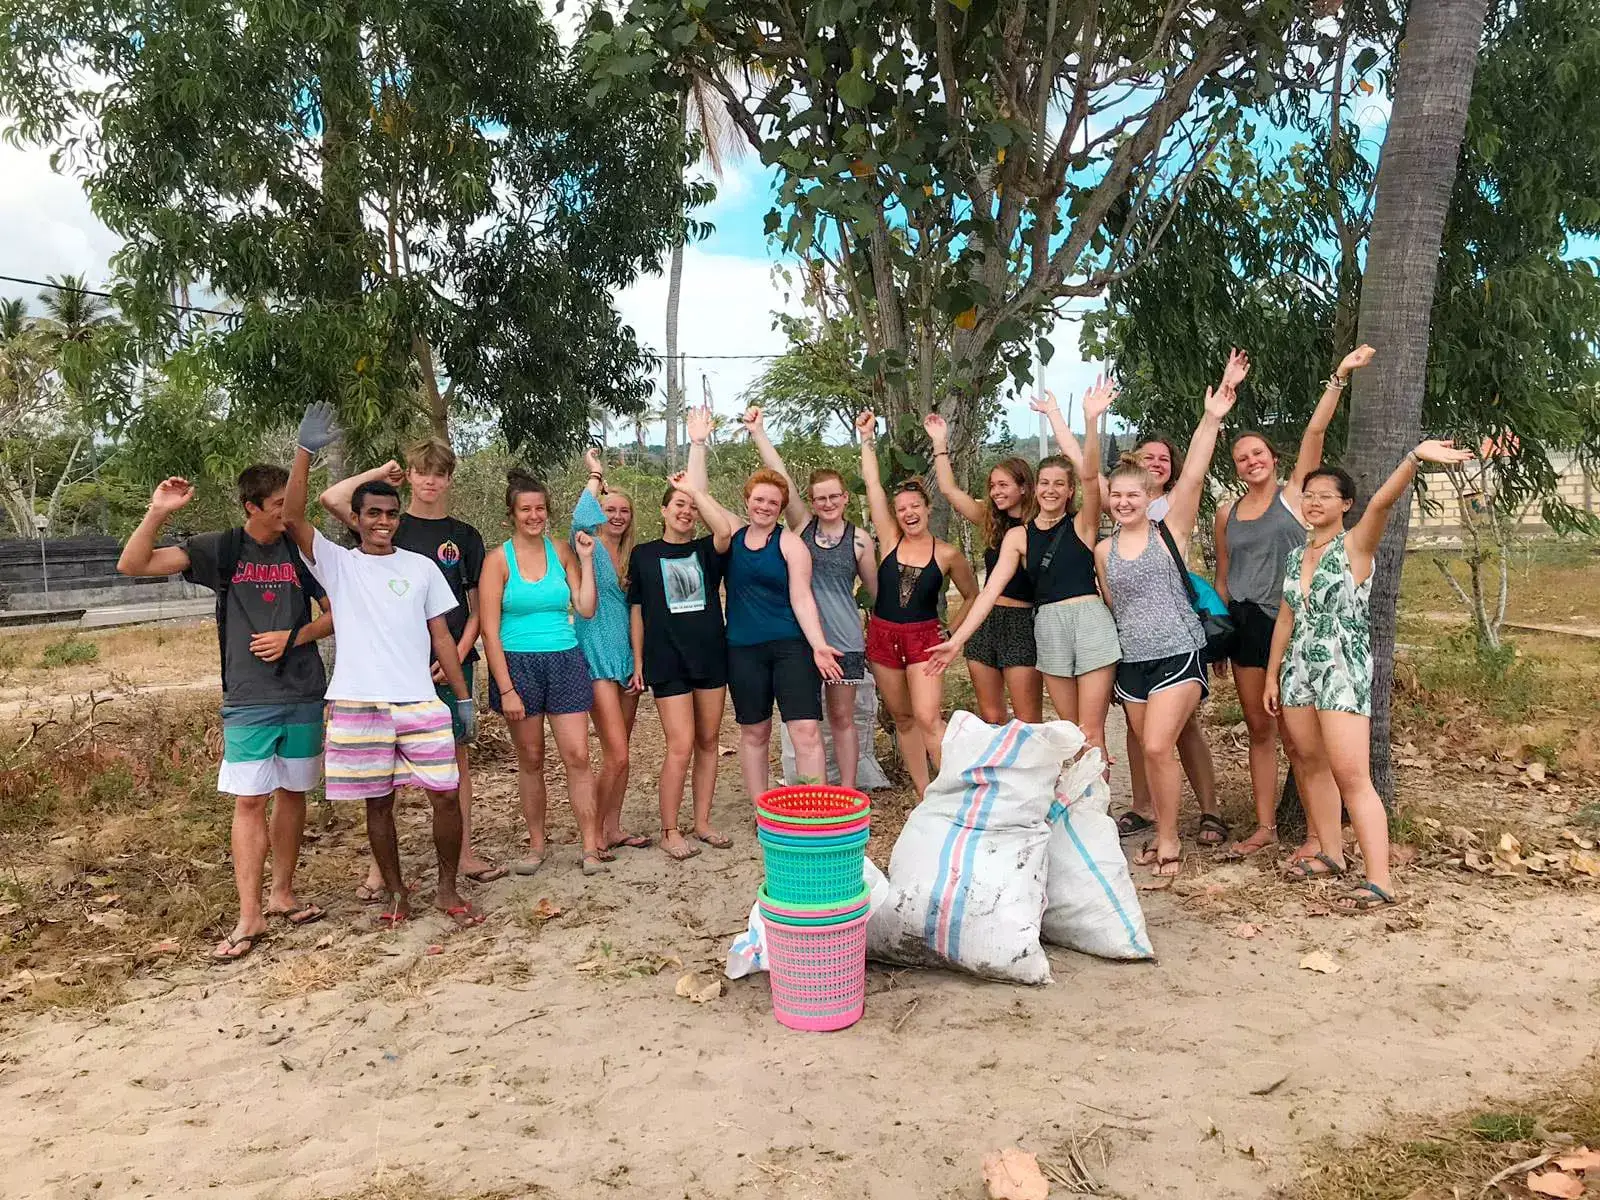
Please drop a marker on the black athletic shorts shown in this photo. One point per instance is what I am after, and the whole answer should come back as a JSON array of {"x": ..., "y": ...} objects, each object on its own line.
[
  {"x": 1138, "y": 681},
  {"x": 782, "y": 671},
  {"x": 1252, "y": 634},
  {"x": 668, "y": 688}
]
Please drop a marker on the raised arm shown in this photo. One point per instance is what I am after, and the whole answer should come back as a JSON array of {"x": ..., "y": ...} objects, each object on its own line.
[
  {"x": 596, "y": 485},
  {"x": 1316, "y": 434},
  {"x": 966, "y": 507},
  {"x": 1368, "y": 532},
  {"x": 141, "y": 557},
  {"x": 794, "y": 513},
  {"x": 317, "y": 431},
  {"x": 1012, "y": 549},
  {"x": 696, "y": 482},
  {"x": 878, "y": 511},
  {"x": 797, "y": 557},
  {"x": 336, "y": 499},
  {"x": 578, "y": 562},
  {"x": 1184, "y": 499},
  {"x": 1095, "y": 402},
  {"x": 1047, "y": 408}
]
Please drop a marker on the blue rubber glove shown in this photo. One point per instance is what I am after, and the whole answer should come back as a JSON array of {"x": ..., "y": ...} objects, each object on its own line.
[
  {"x": 467, "y": 714},
  {"x": 318, "y": 428}
]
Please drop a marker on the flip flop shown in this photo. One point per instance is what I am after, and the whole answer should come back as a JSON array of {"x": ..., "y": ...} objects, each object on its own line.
[
  {"x": 1157, "y": 881},
  {"x": 306, "y": 914},
  {"x": 684, "y": 855},
  {"x": 717, "y": 841},
  {"x": 633, "y": 841},
  {"x": 370, "y": 895},
  {"x": 464, "y": 916},
  {"x": 391, "y": 920},
  {"x": 527, "y": 866},
  {"x": 1365, "y": 897},
  {"x": 248, "y": 941},
  {"x": 488, "y": 875},
  {"x": 1302, "y": 871},
  {"x": 1131, "y": 824},
  {"x": 1213, "y": 830},
  {"x": 1242, "y": 850},
  {"x": 593, "y": 864}
]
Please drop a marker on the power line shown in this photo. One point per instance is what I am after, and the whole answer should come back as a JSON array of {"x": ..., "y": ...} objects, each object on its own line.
[{"x": 214, "y": 312}]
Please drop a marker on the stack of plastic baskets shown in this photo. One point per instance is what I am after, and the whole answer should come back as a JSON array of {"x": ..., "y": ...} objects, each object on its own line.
[{"x": 814, "y": 903}]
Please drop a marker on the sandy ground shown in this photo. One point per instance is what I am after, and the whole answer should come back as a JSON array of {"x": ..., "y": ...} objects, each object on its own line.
[{"x": 553, "y": 1058}]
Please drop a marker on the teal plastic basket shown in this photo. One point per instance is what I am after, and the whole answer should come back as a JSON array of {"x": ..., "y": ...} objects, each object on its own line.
[{"x": 817, "y": 871}]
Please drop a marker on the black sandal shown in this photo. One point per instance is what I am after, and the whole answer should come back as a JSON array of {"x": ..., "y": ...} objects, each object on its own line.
[
  {"x": 1213, "y": 825},
  {"x": 1301, "y": 871},
  {"x": 1131, "y": 824}
]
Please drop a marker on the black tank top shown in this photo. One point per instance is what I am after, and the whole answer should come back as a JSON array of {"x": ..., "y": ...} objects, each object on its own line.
[
  {"x": 1071, "y": 571},
  {"x": 1020, "y": 587},
  {"x": 907, "y": 595}
]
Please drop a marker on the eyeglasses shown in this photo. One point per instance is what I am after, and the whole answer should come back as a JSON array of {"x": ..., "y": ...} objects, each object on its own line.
[{"x": 1332, "y": 497}]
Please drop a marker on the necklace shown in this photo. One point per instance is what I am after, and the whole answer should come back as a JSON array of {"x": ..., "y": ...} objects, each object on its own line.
[{"x": 1310, "y": 545}]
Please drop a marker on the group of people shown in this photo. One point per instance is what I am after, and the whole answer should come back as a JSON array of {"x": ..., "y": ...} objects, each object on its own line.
[{"x": 574, "y": 629}]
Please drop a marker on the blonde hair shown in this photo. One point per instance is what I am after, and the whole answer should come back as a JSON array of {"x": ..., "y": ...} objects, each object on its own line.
[
  {"x": 626, "y": 544},
  {"x": 431, "y": 456},
  {"x": 1128, "y": 467}
]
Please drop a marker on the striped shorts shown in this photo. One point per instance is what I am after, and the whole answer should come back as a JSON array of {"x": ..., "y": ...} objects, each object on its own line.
[{"x": 374, "y": 748}]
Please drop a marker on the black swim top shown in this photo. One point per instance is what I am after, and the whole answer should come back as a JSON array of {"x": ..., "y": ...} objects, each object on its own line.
[
  {"x": 907, "y": 595},
  {"x": 1020, "y": 586},
  {"x": 1071, "y": 570}
]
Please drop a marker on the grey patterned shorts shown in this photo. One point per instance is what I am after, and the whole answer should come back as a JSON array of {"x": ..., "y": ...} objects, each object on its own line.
[
  {"x": 1076, "y": 637},
  {"x": 1005, "y": 639}
]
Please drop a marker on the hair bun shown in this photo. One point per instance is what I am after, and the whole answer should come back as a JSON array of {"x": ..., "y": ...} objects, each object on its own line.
[
  {"x": 1129, "y": 459},
  {"x": 519, "y": 475}
]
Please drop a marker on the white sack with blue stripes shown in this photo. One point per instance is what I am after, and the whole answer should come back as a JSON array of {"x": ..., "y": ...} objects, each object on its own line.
[
  {"x": 1090, "y": 902},
  {"x": 967, "y": 875}
]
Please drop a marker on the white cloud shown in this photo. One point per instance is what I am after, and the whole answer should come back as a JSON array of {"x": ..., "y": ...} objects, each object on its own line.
[{"x": 46, "y": 226}]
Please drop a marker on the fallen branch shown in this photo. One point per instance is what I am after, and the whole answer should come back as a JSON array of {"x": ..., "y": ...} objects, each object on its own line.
[
  {"x": 906, "y": 1016},
  {"x": 520, "y": 1020},
  {"x": 1515, "y": 1169}
]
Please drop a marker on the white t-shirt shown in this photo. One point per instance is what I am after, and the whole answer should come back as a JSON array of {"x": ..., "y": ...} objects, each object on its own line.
[
  {"x": 381, "y": 607},
  {"x": 1156, "y": 510}
]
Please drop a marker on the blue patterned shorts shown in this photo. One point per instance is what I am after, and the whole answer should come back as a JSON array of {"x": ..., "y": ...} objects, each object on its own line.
[{"x": 553, "y": 681}]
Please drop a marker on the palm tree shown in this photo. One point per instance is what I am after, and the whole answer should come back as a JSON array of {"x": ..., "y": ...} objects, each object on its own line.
[
  {"x": 13, "y": 318},
  {"x": 700, "y": 109},
  {"x": 1416, "y": 175},
  {"x": 74, "y": 328}
]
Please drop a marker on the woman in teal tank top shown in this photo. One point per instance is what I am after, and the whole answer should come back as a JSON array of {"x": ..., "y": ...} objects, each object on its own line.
[
  {"x": 527, "y": 594},
  {"x": 607, "y": 643}
]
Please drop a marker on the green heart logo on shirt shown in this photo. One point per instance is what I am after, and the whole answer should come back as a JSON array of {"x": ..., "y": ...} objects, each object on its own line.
[{"x": 399, "y": 586}]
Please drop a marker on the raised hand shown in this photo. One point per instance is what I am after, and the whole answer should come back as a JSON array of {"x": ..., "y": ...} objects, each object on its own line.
[
  {"x": 752, "y": 420},
  {"x": 171, "y": 494},
  {"x": 591, "y": 460},
  {"x": 392, "y": 473},
  {"x": 1044, "y": 404},
  {"x": 584, "y": 544},
  {"x": 938, "y": 430},
  {"x": 1356, "y": 359},
  {"x": 1220, "y": 403},
  {"x": 1234, "y": 373},
  {"x": 698, "y": 421},
  {"x": 866, "y": 424},
  {"x": 318, "y": 428},
  {"x": 1436, "y": 451},
  {"x": 680, "y": 483},
  {"x": 1098, "y": 398}
]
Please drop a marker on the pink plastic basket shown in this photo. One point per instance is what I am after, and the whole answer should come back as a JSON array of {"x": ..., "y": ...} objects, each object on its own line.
[
  {"x": 818, "y": 973},
  {"x": 765, "y": 822}
]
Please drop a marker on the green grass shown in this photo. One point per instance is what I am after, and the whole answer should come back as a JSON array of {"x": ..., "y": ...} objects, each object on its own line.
[{"x": 69, "y": 652}]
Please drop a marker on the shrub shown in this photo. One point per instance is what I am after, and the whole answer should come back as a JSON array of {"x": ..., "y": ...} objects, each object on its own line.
[{"x": 70, "y": 652}]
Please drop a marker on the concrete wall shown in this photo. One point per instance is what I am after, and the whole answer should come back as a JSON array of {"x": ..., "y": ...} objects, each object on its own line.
[{"x": 75, "y": 573}]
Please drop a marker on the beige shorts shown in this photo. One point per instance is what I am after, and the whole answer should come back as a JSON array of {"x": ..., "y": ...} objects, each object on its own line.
[{"x": 1075, "y": 637}]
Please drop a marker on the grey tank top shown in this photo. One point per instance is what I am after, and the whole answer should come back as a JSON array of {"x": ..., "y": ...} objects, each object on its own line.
[
  {"x": 1148, "y": 600},
  {"x": 1258, "y": 550},
  {"x": 833, "y": 583}
]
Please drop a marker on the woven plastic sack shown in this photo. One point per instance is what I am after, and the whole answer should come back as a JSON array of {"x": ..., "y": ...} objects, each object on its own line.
[
  {"x": 967, "y": 876},
  {"x": 1091, "y": 904},
  {"x": 869, "y": 775}
]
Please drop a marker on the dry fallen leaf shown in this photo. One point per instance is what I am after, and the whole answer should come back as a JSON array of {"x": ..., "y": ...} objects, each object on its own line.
[
  {"x": 1585, "y": 863},
  {"x": 108, "y": 920},
  {"x": 546, "y": 911},
  {"x": 1013, "y": 1174},
  {"x": 1581, "y": 1159},
  {"x": 1244, "y": 930},
  {"x": 592, "y": 964},
  {"x": 168, "y": 947},
  {"x": 1510, "y": 845},
  {"x": 693, "y": 987},
  {"x": 324, "y": 941},
  {"x": 1319, "y": 961},
  {"x": 1536, "y": 772},
  {"x": 1554, "y": 1183}
]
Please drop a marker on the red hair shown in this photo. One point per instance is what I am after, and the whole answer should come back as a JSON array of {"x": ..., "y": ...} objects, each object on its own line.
[{"x": 769, "y": 476}]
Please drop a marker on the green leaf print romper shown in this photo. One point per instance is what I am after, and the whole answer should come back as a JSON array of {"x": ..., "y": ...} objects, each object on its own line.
[{"x": 1329, "y": 661}]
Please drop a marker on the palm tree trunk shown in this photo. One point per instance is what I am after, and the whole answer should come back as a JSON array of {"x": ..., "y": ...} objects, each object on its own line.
[{"x": 1416, "y": 176}]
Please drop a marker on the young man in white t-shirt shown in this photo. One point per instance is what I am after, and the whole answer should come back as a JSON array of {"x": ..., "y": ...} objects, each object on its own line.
[{"x": 387, "y": 728}]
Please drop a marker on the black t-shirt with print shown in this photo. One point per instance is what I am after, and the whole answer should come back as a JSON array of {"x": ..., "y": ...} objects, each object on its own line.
[
  {"x": 676, "y": 586},
  {"x": 457, "y": 549},
  {"x": 265, "y": 595}
]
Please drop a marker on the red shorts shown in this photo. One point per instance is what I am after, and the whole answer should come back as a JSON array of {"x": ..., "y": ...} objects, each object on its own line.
[{"x": 898, "y": 646}]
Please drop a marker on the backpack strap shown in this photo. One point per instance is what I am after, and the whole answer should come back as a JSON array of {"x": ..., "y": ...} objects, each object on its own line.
[
  {"x": 228, "y": 551},
  {"x": 303, "y": 617}
]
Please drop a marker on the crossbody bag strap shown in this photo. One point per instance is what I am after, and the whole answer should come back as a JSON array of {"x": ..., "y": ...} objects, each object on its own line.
[
  {"x": 1183, "y": 570},
  {"x": 1054, "y": 542}
]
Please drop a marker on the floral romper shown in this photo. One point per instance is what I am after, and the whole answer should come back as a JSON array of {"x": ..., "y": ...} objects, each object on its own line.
[{"x": 1329, "y": 661}]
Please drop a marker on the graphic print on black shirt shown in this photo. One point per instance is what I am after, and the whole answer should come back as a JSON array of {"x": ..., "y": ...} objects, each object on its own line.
[
  {"x": 457, "y": 549},
  {"x": 675, "y": 585},
  {"x": 264, "y": 595}
]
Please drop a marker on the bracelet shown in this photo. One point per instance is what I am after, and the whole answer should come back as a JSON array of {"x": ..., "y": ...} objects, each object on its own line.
[
  {"x": 1337, "y": 382},
  {"x": 596, "y": 475},
  {"x": 1416, "y": 459},
  {"x": 937, "y": 453}
]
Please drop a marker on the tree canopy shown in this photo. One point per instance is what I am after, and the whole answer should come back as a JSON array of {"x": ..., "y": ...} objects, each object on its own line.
[{"x": 413, "y": 207}]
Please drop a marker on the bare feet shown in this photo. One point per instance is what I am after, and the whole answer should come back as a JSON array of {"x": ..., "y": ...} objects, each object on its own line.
[
  {"x": 632, "y": 841},
  {"x": 480, "y": 870},
  {"x": 677, "y": 849}
]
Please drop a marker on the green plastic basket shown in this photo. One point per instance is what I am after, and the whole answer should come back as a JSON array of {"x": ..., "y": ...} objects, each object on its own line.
[{"x": 821, "y": 872}]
